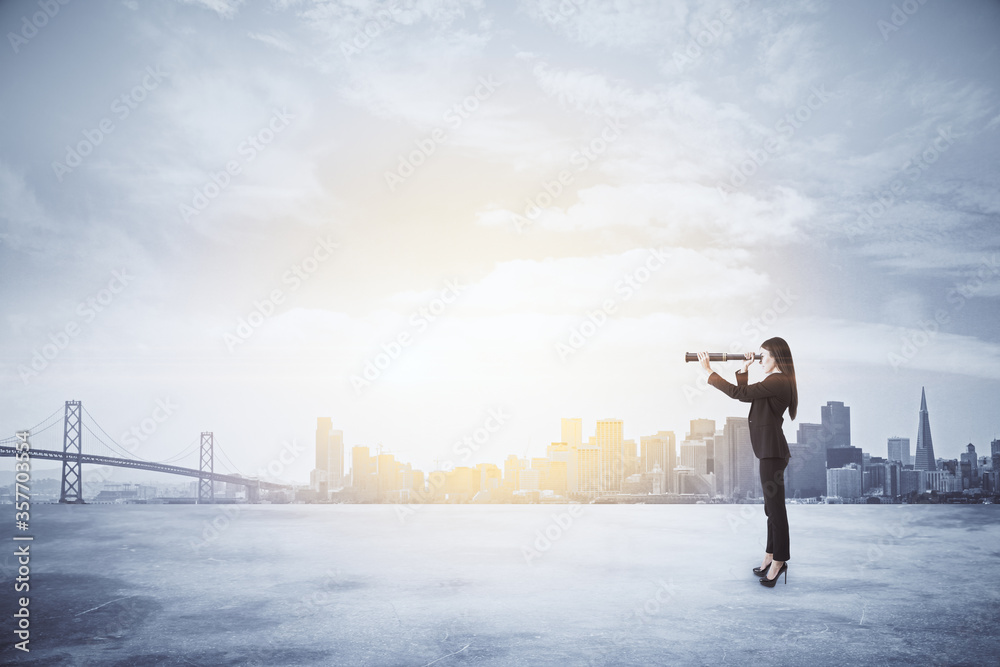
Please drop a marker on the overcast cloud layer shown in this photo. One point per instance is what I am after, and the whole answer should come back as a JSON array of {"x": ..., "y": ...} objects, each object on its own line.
[{"x": 239, "y": 206}]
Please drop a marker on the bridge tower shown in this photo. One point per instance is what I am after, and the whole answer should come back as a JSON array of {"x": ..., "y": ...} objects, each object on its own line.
[
  {"x": 72, "y": 452},
  {"x": 206, "y": 485}
]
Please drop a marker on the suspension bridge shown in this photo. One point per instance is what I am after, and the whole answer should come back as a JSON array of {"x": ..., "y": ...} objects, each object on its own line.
[{"x": 75, "y": 420}]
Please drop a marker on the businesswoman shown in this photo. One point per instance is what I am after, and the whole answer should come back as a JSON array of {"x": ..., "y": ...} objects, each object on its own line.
[{"x": 768, "y": 399}]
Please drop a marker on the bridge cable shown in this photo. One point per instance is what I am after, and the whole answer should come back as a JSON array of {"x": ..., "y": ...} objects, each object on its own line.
[
  {"x": 226, "y": 456},
  {"x": 184, "y": 452},
  {"x": 132, "y": 454},
  {"x": 32, "y": 429},
  {"x": 116, "y": 450}
]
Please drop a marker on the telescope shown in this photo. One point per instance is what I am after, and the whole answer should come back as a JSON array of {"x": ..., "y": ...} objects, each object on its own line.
[{"x": 719, "y": 356}]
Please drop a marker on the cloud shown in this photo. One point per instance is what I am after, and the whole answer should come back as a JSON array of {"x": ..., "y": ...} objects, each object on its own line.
[
  {"x": 226, "y": 9},
  {"x": 280, "y": 42}
]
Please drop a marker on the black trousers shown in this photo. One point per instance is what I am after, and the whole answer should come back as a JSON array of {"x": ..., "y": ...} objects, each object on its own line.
[{"x": 772, "y": 483}]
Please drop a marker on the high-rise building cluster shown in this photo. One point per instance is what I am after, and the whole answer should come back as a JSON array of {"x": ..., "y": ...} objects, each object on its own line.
[{"x": 709, "y": 462}]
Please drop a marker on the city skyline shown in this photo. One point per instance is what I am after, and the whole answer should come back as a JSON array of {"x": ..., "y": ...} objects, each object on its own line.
[
  {"x": 709, "y": 461},
  {"x": 468, "y": 452}
]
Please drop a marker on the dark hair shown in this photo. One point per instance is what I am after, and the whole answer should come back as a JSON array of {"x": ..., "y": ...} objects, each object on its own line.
[{"x": 783, "y": 357}]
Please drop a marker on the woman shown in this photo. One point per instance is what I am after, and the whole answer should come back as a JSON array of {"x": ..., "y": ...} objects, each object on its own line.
[{"x": 768, "y": 400}]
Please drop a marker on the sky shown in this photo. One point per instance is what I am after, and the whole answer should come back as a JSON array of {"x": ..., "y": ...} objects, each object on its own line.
[{"x": 433, "y": 220}]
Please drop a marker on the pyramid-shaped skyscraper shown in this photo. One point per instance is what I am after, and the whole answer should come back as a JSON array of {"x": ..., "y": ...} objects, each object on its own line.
[{"x": 924, "y": 459}]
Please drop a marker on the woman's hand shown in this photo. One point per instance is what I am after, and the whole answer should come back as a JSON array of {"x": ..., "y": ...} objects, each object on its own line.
[
  {"x": 749, "y": 360},
  {"x": 703, "y": 360}
]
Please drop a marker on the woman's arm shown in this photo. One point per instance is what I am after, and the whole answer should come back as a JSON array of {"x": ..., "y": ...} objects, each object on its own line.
[{"x": 772, "y": 385}]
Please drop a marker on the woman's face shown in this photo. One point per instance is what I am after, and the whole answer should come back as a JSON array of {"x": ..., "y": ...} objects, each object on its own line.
[{"x": 767, "y": 361}]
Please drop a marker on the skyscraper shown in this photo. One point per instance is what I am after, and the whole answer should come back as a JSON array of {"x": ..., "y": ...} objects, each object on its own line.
[
  {"x": 702, "y": 428},
  {"x": 329, "y": 471},
  {"x": 694, "y": 455},
  {"x": 572, "y": 431},
  {"x": 836, "y": 420},
  {"x": 736, "y": 465},
  {"x": 970, "y": 468},
  {"x": 899, "y": 450},
  {"x": 659, "y": 450},
  {"x": 610, "y": 441},
  {"x": 588, "y": 471},
  {"x": 925, "y": 447}
]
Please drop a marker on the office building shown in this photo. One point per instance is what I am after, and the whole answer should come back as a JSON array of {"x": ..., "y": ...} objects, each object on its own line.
[
  {"x": 970, "y": 468},
  {"x": 899, "y": 450},
  {"x": 836, "y": 422},
  {"x": 659, "y": 450},
  {"x": 701, "y": 428},
  {"x": 844, "y": 482},
  {"x": 737, "y": 469},
  {"x": 329, "y": 471},
  {"x": 924, "y": 459},
  {"x": 838, "y": 457},
  {"x": 572, "y": 431},
  {"x": 805, "y": 476},
  {"x": 610, "y": 441},
  {"x": 694, "y": 456}
]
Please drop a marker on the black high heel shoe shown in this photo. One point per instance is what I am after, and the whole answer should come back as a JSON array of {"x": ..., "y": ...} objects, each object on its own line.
[
  {"x": 771, "y": 582},
  {"x": 762, "y": 571}
]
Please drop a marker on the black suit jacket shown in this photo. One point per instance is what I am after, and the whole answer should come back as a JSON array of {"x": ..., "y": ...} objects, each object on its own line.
[{"x": 768, "y": 400}]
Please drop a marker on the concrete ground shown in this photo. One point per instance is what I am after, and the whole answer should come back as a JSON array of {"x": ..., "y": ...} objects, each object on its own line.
[{"x": 506, "y": 585}]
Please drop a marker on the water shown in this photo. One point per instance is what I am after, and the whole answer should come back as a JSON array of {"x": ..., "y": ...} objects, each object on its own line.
[{"x": 505, "y": 585}]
